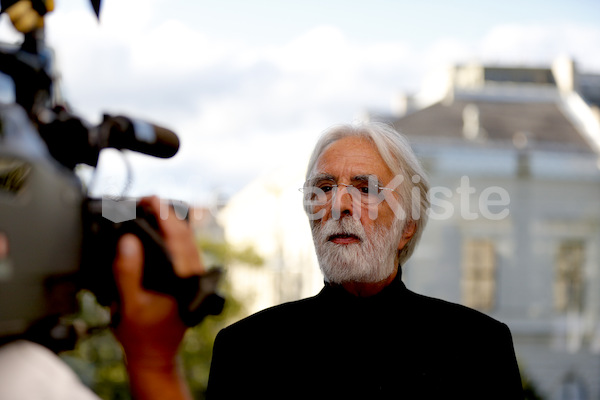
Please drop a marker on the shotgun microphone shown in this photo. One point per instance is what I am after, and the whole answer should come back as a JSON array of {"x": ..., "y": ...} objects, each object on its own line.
[{"x": 121, "y": 132}]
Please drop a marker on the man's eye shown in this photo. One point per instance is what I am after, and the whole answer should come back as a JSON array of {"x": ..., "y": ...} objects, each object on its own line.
[
  {"x": 367, "y": 189},
  {"x": 326, "y": 188}
]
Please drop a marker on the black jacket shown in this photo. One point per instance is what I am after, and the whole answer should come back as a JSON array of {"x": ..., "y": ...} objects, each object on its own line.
[{"x": 394, "y": 345}]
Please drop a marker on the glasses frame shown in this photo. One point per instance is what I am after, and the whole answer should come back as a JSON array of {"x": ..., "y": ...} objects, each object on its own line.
[{"x": 365, "y": 198}]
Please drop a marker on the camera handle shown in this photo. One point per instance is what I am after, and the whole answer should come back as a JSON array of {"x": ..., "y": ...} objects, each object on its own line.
[{"x": 196, "y": 296}]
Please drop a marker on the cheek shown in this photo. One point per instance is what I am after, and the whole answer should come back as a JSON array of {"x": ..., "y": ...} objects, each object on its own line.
[
  {"x": 370, "y": 224},
  {"x": 315, "y": 223},
  {"x": 316, "y": 214},
  {"x": 377, "y": 215}
]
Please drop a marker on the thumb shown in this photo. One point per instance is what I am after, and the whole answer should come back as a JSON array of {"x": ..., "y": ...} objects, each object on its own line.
[{"x": 128, "y": 267}]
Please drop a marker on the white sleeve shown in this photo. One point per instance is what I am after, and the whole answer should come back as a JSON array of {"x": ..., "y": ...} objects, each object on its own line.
[{"x": 31, "y": 371}]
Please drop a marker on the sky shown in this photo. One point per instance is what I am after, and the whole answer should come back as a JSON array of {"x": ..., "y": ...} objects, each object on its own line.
[{"x": 249, "y": 85}]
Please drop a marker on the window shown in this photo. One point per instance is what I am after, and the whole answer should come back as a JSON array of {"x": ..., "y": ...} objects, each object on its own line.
[
  {"x": 478, "y": 282},
  {"x": 568, "y": 284},
  {"x": 572, "y": 388}
]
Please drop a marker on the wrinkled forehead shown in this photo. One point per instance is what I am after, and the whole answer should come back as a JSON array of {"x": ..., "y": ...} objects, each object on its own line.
[{"x": 351, "y": 158}]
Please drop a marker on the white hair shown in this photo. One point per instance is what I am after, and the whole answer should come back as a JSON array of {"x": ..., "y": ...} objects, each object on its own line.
[{"x": 399, "y": 157}]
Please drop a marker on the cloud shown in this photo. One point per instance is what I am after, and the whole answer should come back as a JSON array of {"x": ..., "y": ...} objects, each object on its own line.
[
  {"x": 242, "y": 107},
  {"x": 540, "y": 44}
]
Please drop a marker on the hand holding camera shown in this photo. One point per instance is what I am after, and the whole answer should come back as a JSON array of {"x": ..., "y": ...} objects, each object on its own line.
[{"x": 149, "y": 327}]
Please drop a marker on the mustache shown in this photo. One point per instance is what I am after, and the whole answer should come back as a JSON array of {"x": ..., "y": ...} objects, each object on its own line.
[{"x": 345, "y": 227}]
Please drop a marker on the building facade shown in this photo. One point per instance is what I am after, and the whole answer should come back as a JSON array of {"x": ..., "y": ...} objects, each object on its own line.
[{"x": 513, "y": 158}]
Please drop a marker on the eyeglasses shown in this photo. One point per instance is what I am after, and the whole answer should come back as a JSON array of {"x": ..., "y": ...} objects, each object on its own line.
[{"x": 321, "y": 192}]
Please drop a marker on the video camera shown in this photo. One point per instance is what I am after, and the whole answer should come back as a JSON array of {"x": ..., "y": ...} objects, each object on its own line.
[{"x": 54, "y": 238}]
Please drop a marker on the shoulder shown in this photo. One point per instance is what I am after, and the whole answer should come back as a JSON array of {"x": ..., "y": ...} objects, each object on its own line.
[
  {"x": 29, "y": 370},
  {"x": 464, "y": 342},
  {"x": 284, "y": 316},
  {"x": 454, "y": 319}
]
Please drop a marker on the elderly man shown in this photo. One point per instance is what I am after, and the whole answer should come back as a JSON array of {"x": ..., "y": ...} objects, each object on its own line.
[{"x": 365, "y": 335}]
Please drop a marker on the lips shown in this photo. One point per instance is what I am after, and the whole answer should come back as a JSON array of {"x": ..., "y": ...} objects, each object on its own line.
[{"x": 344, "y": 238}]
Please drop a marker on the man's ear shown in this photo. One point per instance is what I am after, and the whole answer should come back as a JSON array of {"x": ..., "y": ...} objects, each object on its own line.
[{"x": 407, "y": 233}]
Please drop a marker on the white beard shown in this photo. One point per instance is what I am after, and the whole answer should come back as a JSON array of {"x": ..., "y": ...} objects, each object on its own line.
[{"x": 371, "y": 260}]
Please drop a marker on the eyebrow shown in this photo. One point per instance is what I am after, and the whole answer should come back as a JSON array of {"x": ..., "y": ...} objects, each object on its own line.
[
  {"x": 319, "y": 177},
  {"x": 356, "y": 178},
  {"x": 367, "y": 178}
]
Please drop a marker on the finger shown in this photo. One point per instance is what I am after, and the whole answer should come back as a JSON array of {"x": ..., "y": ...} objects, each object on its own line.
[
  {"x": 179, "y": 239},
  {"x": 128, "y": 267}
]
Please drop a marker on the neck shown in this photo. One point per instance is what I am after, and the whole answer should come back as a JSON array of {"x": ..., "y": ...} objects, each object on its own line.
[{"x": 367, "y": 289}]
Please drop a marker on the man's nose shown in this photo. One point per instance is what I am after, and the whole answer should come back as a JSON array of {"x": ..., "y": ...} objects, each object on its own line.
[{"x": 344, "y": 202}]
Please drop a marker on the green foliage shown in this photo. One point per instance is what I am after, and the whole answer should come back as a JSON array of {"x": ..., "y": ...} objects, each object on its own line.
[
  {"x": 198, "y": 344},
  {"x": 98, "y": 358},
  {"x": 222, "y": 253}
]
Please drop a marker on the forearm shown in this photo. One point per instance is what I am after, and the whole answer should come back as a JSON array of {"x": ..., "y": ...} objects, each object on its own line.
[{"x": 162, "y": 381}]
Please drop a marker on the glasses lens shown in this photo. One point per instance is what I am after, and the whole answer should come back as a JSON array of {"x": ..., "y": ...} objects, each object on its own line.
[
  {"x": 322, "y": 192},
  {"x": 369, "y": 192},
  {"x": 316, "y": 196}
]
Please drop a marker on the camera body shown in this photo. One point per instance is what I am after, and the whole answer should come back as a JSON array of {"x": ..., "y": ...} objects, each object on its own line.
[
  {"x": 55, "y": 237},
  {"x": 40, "y": 222}
]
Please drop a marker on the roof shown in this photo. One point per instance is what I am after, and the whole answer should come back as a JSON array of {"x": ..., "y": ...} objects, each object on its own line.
[{"x": 543, "y": 123}]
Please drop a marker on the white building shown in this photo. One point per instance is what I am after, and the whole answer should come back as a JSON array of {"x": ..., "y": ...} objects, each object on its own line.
[{"x": 268, "y": 216}]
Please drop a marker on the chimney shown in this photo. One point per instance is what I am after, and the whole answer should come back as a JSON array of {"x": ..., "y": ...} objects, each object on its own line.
[
  {"x": 471, "y": 126},
  {"x": 565, "y": 74},
  {"x": 402, "y": 104}
]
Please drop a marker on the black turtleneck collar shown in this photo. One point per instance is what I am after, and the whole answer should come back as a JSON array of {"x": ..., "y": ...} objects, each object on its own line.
[{"x": 395, "y": 288}]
